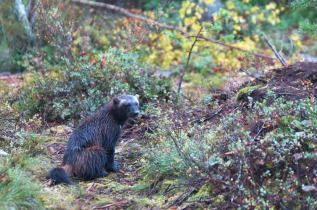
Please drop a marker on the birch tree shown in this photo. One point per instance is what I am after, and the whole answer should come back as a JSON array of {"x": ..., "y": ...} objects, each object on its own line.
[{"x": 22, "y": 14}]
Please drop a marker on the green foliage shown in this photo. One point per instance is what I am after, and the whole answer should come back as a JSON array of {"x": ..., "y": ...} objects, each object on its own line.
[
  {"x": 17, "y": 188},
  {"x": 300, "y": 3},
  {"x": 305, "y": 27},
  {"x": 256, "y": 158},
  {"x": 82, "y": 86},
  {"x": 308, "y": 28}
]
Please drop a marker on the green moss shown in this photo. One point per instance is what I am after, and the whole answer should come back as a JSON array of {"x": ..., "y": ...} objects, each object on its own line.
[
  {"x": 204, "y": 192},
  {"x": 245, "y": 92},
  {"x": 156, "y": 201},
  {"x": 4, "y": 89},
  {"x": 140, "y": 187}
]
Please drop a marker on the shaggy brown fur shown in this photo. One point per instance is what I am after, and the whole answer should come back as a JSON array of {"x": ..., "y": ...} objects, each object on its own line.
[{"x": 91, "y": 147}]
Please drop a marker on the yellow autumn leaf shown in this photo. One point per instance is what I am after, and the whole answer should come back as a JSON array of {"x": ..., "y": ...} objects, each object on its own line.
[
  {"x": 270, "y": 6},
  {"x": 254, "y": 9},
  {"x": 253, "y": 19},
  {"x": 261, "y": 16},
  {"x": 237, "y": 27},
  {"x": 209, "y": 1},
  {"x": 230, "y": 5}
]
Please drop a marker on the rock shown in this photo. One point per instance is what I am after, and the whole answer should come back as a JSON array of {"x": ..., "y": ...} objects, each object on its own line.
[
  {"x": 5, "y": 74},
  {"x": 3, "y": 153},
  {"x": 308, "y": 57},
  {"x": 167, "y": 74}
]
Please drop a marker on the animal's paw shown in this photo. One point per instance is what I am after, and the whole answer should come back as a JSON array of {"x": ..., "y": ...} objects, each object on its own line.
[
  {"x": 104, "y": 173},
  {"x": 114, "y": 167}
]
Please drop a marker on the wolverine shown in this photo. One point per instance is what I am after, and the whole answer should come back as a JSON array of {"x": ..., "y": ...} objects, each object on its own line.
[{"x": 91, "y": 147}]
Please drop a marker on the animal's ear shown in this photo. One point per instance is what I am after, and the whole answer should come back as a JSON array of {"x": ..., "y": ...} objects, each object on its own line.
[
  {"x": 137, "y": 96},
  {"x": 116, "y": 101}
]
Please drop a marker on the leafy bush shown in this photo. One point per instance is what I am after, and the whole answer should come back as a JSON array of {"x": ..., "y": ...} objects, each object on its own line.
[
  {"x": 82, "y": 86},
  {"x": 254, "y": 158}
]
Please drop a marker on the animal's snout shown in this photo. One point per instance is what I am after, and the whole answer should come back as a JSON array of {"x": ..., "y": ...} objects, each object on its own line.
[{"x": 135, "y": 114}]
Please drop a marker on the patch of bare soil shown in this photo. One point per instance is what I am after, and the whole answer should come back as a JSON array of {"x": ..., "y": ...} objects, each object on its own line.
[
  {"x": 293, "y": 82},
  {"x": 11, "y": 79}
]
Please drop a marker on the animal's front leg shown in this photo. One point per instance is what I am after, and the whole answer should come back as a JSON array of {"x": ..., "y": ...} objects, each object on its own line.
[{"x": 111, "y": 165}]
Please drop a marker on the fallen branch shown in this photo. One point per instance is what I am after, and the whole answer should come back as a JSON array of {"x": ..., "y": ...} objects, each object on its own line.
[
  {"x": 233, "y": 47},
  {"x": 9, "y": 119},
  {"x": 153, "y": 22},
  {"x": 125, "y": 13},
  {"x": 111, "y": 205},
  {"x": 255, "y": 77},
  {"x": 179, "y": 200},
  {"x": 187, "y": 63},
  {"x": 278, "y": 55}
]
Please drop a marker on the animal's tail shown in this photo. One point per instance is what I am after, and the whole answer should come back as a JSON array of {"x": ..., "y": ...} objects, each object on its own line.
[{"x": 58, "y": 176}]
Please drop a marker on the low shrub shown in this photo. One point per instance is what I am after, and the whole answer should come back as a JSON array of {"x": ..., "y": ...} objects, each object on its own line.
[
  {"x": 264, "y": 156},
  {"x": 83, "y": 85}
]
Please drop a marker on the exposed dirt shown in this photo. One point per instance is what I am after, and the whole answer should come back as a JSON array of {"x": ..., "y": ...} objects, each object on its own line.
[
  {"x": 11, "y": 79},
  {"x": 293, "y": 82}
]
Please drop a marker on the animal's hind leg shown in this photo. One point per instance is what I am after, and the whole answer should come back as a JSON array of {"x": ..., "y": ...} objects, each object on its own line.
[
  {"x": 111, "y": 165},
  {"x": 90, "y": 163}
]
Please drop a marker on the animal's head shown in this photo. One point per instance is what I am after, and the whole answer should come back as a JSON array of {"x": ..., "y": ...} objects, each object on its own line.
[{"x": 127, "y": 105}]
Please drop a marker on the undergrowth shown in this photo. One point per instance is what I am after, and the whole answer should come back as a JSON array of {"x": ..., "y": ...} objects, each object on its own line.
[
  {"x": 263, "y": 156},
  {"x": 24, "y": 169},
  {"x": 17, "y": 189},
  {"x": 80, "y": 87}
]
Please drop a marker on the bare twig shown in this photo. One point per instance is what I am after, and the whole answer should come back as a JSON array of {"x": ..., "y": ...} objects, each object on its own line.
[
  {"x": 158, "y": 24},
  {"x": 278, "y": 55},
  {"x": 258, "y": 133},
  {"x": 188, "y": 58},
  {"x": 180, "y": 200},
  {"x": 255, "y": 77},
  {"x": 208, "y": 117},
  {"x": 92, "y": 185}
]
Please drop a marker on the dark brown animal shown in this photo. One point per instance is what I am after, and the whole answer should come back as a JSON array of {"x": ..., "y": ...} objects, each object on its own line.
[{"x": 91, "y": 147}]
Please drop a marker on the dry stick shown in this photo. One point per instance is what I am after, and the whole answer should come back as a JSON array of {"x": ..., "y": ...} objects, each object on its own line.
[
  {"x": 188, "y": 58},
  {"x": 161, "y": 25},
  {"x": 250, "y": 75},
  {"x": 278, "y": 55},
  {"x": 124, "y": 12},
  {"x": 208, "y": 117},
  {"x": 111, "y": 205},
  {"x": 9, "y": 119},
  {"x": 233, "y": 47}
]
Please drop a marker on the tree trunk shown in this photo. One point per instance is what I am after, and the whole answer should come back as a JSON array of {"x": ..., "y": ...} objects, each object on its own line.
[{"x": 22, "y": 16}]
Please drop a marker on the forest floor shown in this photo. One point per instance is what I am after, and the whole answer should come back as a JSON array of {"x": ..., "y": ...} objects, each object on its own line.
[{"x": 121, "y": 190}]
